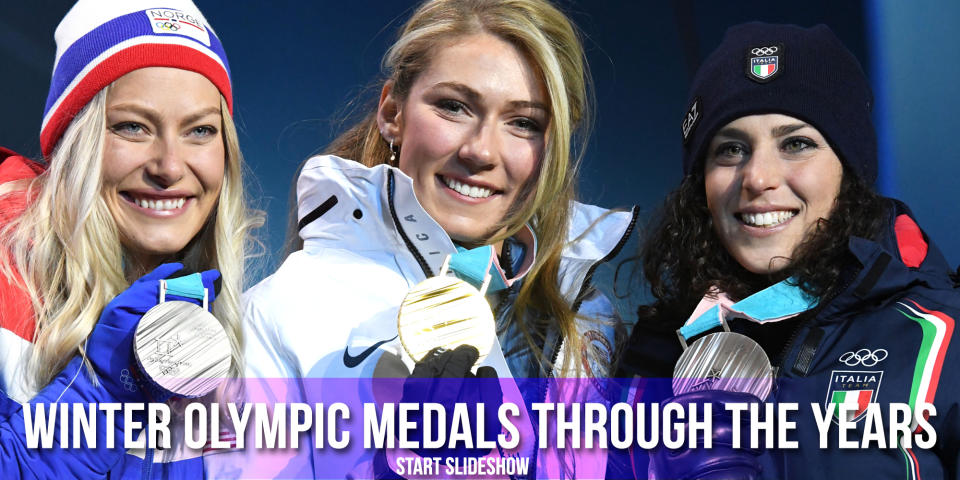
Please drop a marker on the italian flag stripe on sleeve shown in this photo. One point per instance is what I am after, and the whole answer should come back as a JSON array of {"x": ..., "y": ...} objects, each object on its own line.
[{"x": 937, "y": 330}]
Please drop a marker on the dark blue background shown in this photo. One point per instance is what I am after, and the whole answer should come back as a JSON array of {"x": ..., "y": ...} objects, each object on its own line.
[{"x": 297, "y": 66}]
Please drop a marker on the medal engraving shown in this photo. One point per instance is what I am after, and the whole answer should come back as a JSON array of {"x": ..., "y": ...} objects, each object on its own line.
[
  {"x": 182, "y": 348},
  {"x": 445, "y": 312},
  {"x": 724, "y": 361}
]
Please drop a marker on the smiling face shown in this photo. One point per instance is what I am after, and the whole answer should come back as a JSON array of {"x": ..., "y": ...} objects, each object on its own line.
[
  {"x": 769, "y": 180},
  {"x": 163, "y": 160},
  {"x": 471, "y": 133}
]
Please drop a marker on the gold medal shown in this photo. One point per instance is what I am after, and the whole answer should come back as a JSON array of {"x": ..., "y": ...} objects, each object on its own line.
[{"x": 447, "y": 312}]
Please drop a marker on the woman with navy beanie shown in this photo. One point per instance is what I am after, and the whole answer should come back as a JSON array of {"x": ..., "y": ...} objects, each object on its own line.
[
  {"x": 140, "y": 182},
  {"x": 777, "y": 233}
]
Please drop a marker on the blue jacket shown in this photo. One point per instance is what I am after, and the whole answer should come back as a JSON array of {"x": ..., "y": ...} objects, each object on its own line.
[
  {"x": 887, "y": 337},
  {"x": 73, "y": 385}
]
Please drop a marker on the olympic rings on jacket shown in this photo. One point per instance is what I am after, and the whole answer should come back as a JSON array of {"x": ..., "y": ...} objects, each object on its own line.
[{"x": 864, "y": 357}]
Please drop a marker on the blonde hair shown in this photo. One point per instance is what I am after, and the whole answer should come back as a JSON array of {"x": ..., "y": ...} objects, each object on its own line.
[
  {"x": 65, "y": 251},
  {"x": 552, "y": 45}
]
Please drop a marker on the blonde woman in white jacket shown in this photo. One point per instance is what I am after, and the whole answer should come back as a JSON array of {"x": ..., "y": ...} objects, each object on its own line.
[{"x": 471, "y": 146}]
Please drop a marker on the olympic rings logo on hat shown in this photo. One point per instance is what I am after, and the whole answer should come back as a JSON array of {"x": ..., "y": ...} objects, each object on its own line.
[
  {"x": 764, "y": 50},
  {"x": 173, "y": 27}
]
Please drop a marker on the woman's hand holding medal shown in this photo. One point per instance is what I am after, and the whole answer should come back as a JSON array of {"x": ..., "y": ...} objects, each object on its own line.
[
  {"x": 722, "y": 460},
  {"x": 447, "y": 327},
  {"x": 110, "y": 347},
  {"x": 444, "y": 377},
  {"x": 716, "y": 370}
]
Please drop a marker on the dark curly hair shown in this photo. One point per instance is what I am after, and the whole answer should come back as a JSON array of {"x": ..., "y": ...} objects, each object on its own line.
[{"x": 682, "y": 257}]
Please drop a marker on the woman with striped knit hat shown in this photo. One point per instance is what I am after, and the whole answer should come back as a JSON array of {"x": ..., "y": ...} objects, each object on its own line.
[{"x": 141, "y": 173}]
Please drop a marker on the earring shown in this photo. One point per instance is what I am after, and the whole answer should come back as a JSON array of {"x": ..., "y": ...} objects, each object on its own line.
[{"x": 393, "y": 154}]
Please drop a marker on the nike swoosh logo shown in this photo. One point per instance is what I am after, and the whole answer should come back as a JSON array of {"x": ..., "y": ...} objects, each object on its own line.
[{"x": 352, "y": 361}]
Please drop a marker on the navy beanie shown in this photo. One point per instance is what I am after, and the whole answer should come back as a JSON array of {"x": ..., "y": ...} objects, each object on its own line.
[{"x": 805, "y": 73}]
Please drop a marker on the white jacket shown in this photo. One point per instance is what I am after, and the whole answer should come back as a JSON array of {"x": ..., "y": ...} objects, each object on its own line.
[{"x": 330, "y": 311}]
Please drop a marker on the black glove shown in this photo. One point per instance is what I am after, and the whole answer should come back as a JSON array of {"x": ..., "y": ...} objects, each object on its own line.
[
  {"x": 720, "y": 461},
  {"x": 444, "y": 377}
]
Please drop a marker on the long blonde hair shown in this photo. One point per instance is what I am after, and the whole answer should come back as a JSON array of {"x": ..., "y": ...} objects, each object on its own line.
[
  {"x": 548, "y": 38},
  {"x": 65, "y": 251}
]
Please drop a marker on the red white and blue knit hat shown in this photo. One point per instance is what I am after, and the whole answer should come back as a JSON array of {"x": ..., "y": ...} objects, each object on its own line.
[{"x": 100, "y": 41}]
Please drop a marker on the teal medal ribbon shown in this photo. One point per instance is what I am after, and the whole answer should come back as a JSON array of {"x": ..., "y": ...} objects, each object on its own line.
[
  {"x": 473, "y": 265},
  {"x": 730, "y": 361},
  {"x": 777, "y": 302},
  {"x": 190, "y": 286}
]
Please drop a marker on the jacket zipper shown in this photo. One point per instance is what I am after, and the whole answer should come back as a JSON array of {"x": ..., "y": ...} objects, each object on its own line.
[
  {"x": 558, "y": 344},
  {"x": 147, "y": 471},
  {"x": 788, "y": 347},
  {"x": 406, "y": 240},
  {"x": 583, "y": 289},
  {"x": 613, "y": 253}
]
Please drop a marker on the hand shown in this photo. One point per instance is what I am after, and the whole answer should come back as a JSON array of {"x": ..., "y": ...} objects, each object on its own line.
[
  {"x": 109, "y": 347},
  {"x": 444, "y": 377},
  {"x": 720, "y": 461}
]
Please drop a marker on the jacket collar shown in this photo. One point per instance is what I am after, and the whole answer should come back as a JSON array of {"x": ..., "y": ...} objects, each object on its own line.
[
  {"x": 367, "y": 208},
  {"x": 330, "y": 190},
  {"x": 595, "y": 235},
  {"x": 902, "y": 256}
]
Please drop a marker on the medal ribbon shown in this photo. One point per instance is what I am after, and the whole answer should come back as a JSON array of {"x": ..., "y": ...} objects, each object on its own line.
[
  {"x": 777, "y": 302},
  {"x": 190, "y": 286},
  {"x": 473, "y": 265}
]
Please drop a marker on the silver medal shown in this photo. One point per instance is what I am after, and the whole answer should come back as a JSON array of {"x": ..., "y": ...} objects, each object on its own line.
[
  {"x": 182, "y": 348},
  {"x": 725, "y": 361}
]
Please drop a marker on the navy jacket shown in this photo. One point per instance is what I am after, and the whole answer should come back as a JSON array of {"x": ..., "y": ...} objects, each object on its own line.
[{"x": 887, "y": 337}]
